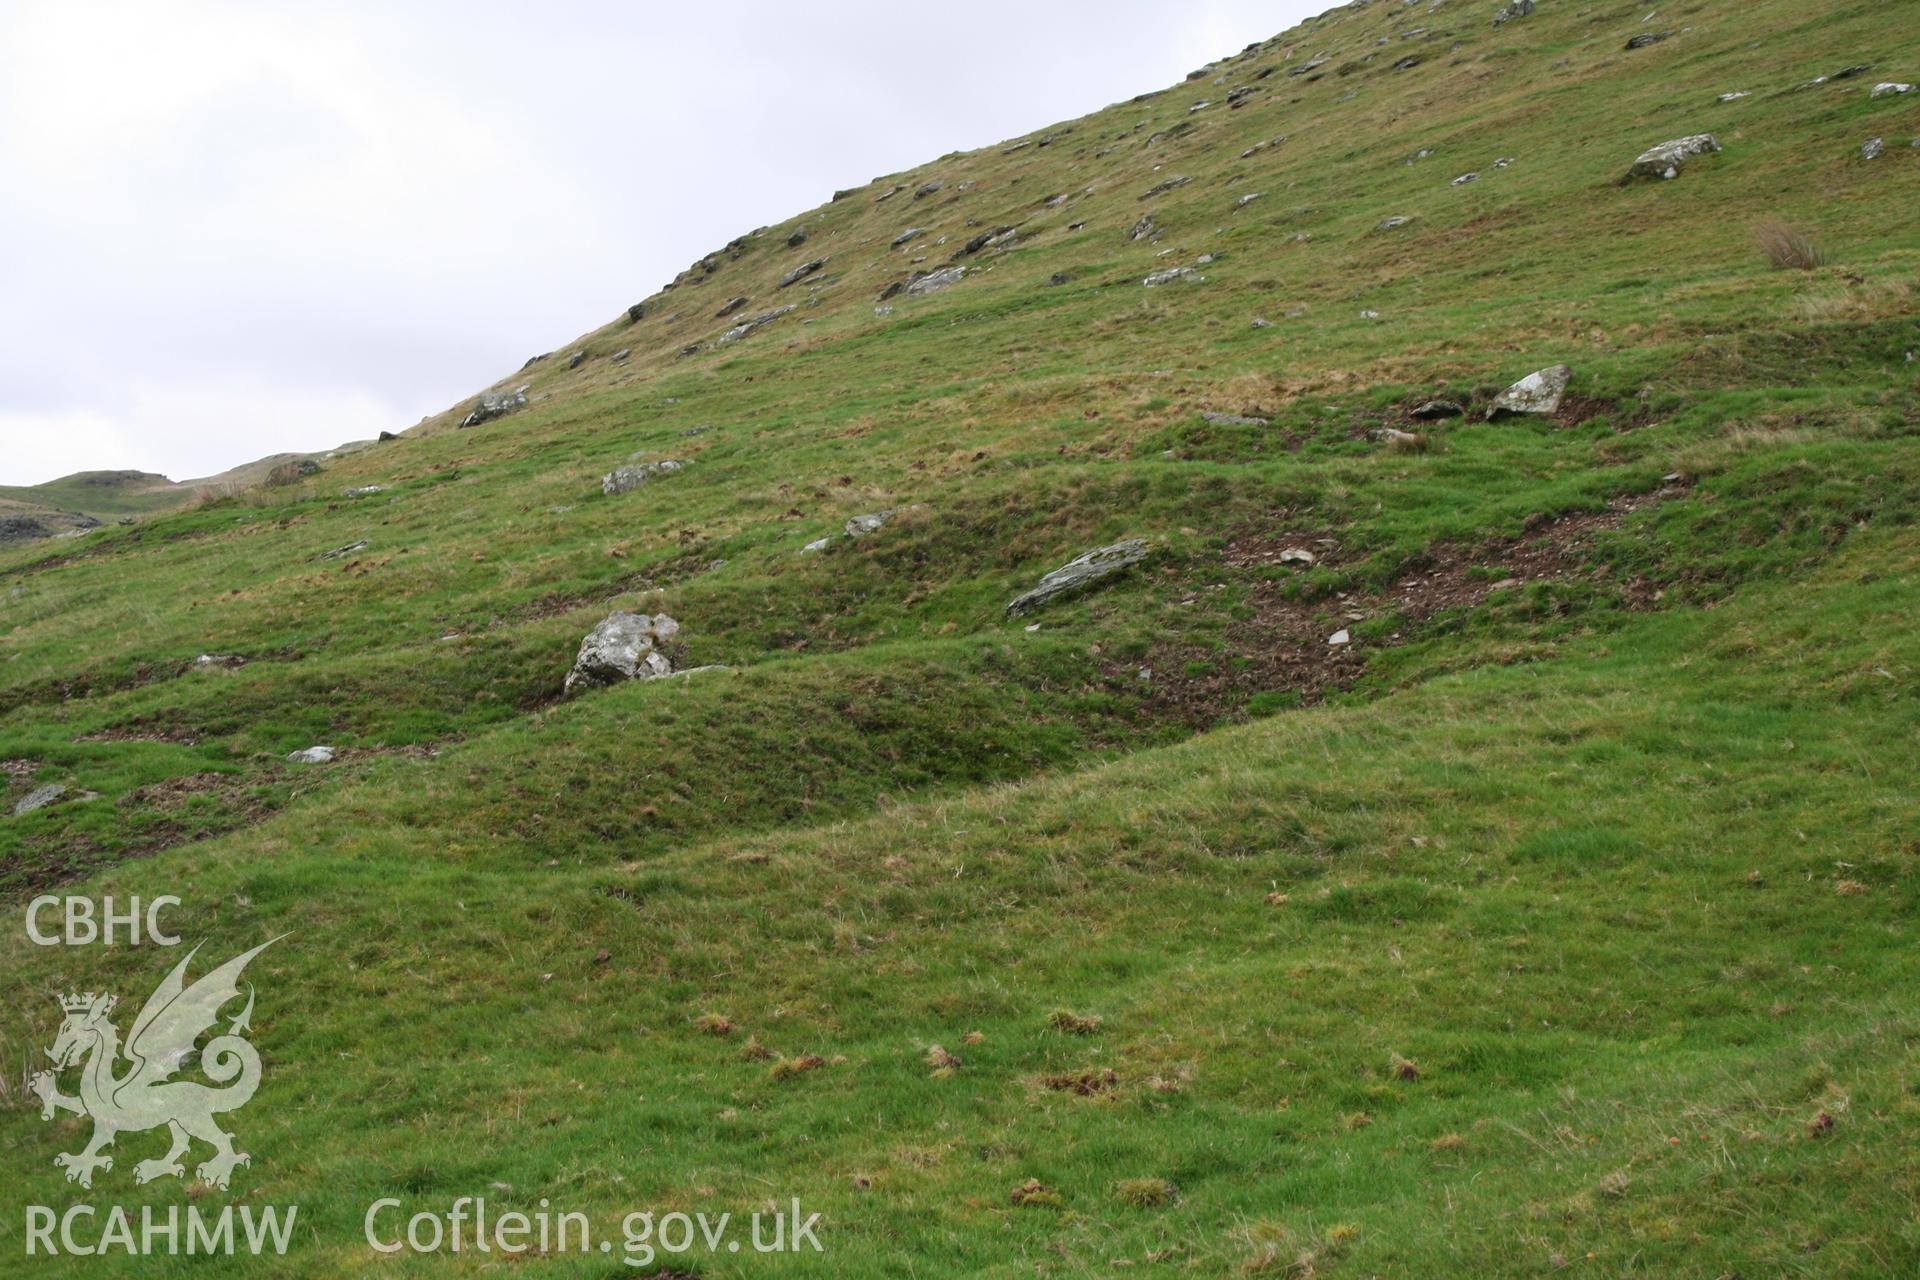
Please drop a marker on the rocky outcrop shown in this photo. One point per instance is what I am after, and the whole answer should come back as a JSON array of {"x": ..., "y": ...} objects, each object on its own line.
[
  {"x": 1080, "y": 573},
  {"x": 1517, "y": 9},
  {"x": 746, "y": 327},
  {"x": 627, "y": 479},
  {"x": 935, "y": 281},
  {"x": 801, "y": 272},
  {"x": 623, "y": 647},
  {"x": 1539, "y": 392},
  {"x": 1666, "y": 160},
  {"x": 1172, "y": 274},
  {"x": 495, "y": 404}
]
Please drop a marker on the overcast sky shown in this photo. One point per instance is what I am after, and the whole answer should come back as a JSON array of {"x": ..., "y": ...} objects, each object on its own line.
[{"x": 229, "y": 230}]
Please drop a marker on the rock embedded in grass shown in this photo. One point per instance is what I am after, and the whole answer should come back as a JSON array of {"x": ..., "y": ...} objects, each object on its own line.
[
  {"x": 1516, "y": 9},
  {"x": 627, "y": 479},
  {"x": 1233, "y": 420},
  {"x": 623, "y": 647},
  {"x": 935, "y": 281},
  {"x": 1080, "y": 573},
  {"x": 39, "y": 798},
  {"x": 746, "y": 327},
  {"x": 1873, "y": 148},
  {"x": 1666, "y": 160},
  {"x": 861, "y": 526},
  {"x": 1172, "y": 274},
  {"x": 801, "y": 272},
  {"x": 312, "y": 755},
  {"x": 1651, "y": 37},
  {"x": 1890, "y": 90},
  {"x": 1434, "y": 410},
  {"x": 1539, "y": 392},
  {"x": 495, "y": 404}
]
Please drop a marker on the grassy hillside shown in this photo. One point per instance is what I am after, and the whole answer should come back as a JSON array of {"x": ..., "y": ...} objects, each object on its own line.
[{"x": 1559, "y": 920}]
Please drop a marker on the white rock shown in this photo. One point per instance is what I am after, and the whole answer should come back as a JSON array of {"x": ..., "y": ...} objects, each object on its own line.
[
  {"x": 1339, "y": 638},
  {"x": 313, "y": 755},
  {"x": 1539, "y": 392},
  {"x": 1888, "y": 90},
  {"x": 1667, "y": 159},
  {"x": 622, "y": 648}
]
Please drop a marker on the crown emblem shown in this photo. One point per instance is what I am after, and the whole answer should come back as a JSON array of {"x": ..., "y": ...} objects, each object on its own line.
[{"x": 80, "y": 1003}]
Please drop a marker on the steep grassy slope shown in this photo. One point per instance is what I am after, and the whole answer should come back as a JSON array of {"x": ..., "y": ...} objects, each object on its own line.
[{"x": 1560, "y": 919}]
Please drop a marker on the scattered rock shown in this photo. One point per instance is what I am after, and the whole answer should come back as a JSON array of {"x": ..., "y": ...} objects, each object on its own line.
[
  {"x": 1848, "y": 73},
  {"x": 218, "y": 662},
  {"x": 313, "y": 755},
  {"x": 801, "y": 272},
  {"x": 1160, "y": 189},
  {"x": 364, "y": 491},
  {"x": 1058, "y": 278},
  {"x": 1340, "y": 637},
  {"x": 732, "y": 305},
  {"x": 1249, "y": 198},
  {"x": 911, "y": 233},
  {"x": 1171, "y": 274},
  {"x": 1233, "y": 420},
  {"x": 1464, "y": 179},
  {"x": 883, "y": 311},
  {"x": 1666, "y": 160},
  {"x": 1433, "y": 410},
  {"x": 1733, "y": 97},
  {"x": 996, "y": 236},
  {"x": 386, "y": 436},
  {"x": 1516, "y": 9},
  {"x": 1393, "y": 224},
  {"x": 1261, "y": 324},
  {"x": 1539, "y": 392},
  {"x": 627, "y": 479},
  {"x": 1651, "y": 37},
  {"x": 746, "y": 327},
  {"x": 1297, "y": 555},
  {"x": 340, "y": 552},
  {"x": 39, "y": 798},
  {"x": 621, "y": 354},
  {"x": 636, "y": 313},
  {"x": 935, "y": 281},
  {"x": 1889, "y": 90},
  {"x": 1082, "y": 572},
  {"x": 622, "y": 648},
  {"x": 1143, "y": 229},
  {"x": 861, "y": 526},
  {"x": 929, "y": 189},
  {"x": 1873, "y": 148},
  {"x": 818, "y": 544},
  {"x": 495, "y": 404},
  {"x": 575, "y": 360},
  {"x": 798, "y": 238}
]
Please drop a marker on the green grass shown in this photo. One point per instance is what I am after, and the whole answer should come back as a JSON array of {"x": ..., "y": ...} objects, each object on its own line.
[{"x": 1538, "y": 929}]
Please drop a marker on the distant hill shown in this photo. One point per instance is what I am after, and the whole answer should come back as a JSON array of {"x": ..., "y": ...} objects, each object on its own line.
[{"x": 88, "y": 499}]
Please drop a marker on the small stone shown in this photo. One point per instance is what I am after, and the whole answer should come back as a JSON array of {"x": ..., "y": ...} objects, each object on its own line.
[
  {"x": 364, "y": 491},
  {"x": 1082, "y": 572},
  {"x": 819, "y": 544},
  {"x": 934, "y": 281},
  {"x": 1369, "y": 315},
  {"x": 1249, "y": 198},
  {"x": 1262, "y": 324},
  {"x": 1172, "y": 274},
  {"x": 1651, "y": 37},
  {"x": 627, "y": 479},
  {"x": 495, "y": 404},
  {"x": 1732, "y": 97},
  {"x": 909, "y": 234},
  {"x": 1058, "y": 278},
  {"x": 574, "y": 361},
  {"x": 1297, "y": 555},
  {"x": 883, "y": 311},
  {"x": 621, "y": 354},
  {"x": 801, "y": 272},
  {"x": 1393, "y": 224},
  {"x": 1539, "y": 392},
  {"x": 1143, "y": 228},
  {"x": 1516, "y": 9},
  {"x": 1889, "y": 90},
  {"x": 636, "y": 313},
  {"x": 1433, "y": 410},
  {"x": 1873, "y": 148},
  {"x": 1339, "y": 638},
  {"x": 1666, "y": 160},
  {"x": 732, "y": 305},
  {"x": 39, "y": 798},
  {"x": 622, "y": 647},
  {"x": 861, "y": 526},
  {"x": 1464, "y": 179},
  {"x": 341, "y": 552},
  {"x": 313, "y": 755}
]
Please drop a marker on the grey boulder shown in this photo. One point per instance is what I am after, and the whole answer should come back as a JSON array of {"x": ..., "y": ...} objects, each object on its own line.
[
  {"x": 627, "y": 479},
  {"x": 495, "y": 404},
  {"x": 1666, "y": 160},
  {"x": 1082, "y": 572},
  {"x": 861, "y": 526},
  {"x": 623, "y": 647},
  {"x": 801, "y": 272},
  {"x": 39, "y": 798},
  {"x": 313, "y": 755},
  {"x": 935, "y": 281},
  {"x": 1539, "y": 392}
]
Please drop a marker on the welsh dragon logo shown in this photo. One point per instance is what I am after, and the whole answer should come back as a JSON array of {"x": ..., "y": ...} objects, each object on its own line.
[{"x": 142, "y": 1096}]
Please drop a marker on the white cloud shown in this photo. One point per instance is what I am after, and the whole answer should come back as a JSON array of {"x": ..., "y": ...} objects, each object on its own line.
[{"x": 237, "y": 229}]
